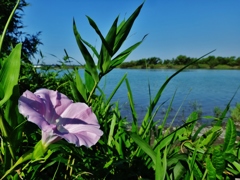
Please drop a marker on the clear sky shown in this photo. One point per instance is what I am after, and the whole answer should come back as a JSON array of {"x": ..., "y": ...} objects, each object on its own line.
[{"x": 174, "y": 27}]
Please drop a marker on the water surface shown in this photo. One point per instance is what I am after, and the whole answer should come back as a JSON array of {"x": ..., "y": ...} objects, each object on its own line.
[{"x": 205, "y": 89}]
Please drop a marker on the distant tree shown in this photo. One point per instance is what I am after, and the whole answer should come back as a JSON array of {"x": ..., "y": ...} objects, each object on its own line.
[
  {"x": 15, "y": 32},
  {"x": 238, "y": 61},
  {"x": 141, "y": 62},
  {"x": 212, "y": 61},
  {"x": 166, "y": 61},
  {"x": 232, "y": 61},
  {"x": 222, "y": 60},
  {"x": 154, "y": 60},
  {"x": 182, "y": 60}
]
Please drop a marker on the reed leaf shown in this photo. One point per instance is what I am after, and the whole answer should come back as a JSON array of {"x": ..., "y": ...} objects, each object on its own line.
[
  {"x": 144, "y": 146},
  {"x": 115, "y": 89},
  {"x": 104, "y": 42},
  {"x": 125, "y": 28},
  {"x": 7, "y": 24},
  {"x": 90, "y": 64},
  {"x": 134, "y": 113},
  {"x": 104, "y": 60},
  {"x": 80, "y": 87},
  {"x": 112, "y": 128},
  {"x": 123, "y": 55}
]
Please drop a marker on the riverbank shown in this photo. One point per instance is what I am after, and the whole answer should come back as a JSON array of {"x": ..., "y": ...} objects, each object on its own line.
[{"x": 171, "y": 66}]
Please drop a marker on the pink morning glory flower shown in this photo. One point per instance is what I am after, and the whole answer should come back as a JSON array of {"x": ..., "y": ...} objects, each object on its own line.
[{"x": 59, "y": 118}]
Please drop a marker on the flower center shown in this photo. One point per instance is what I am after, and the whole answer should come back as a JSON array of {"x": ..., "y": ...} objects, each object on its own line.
[{"x": 60, "y": 127}]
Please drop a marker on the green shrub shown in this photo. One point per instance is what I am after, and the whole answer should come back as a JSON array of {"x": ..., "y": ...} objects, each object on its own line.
[{"x": 235, "y": 113}]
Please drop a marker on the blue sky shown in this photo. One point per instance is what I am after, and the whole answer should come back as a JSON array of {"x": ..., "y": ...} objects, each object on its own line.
[{"x": 174, "y": 27}]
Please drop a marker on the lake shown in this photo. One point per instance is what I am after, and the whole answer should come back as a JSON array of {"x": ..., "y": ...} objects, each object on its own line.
[{"x": 204, "y": 89}]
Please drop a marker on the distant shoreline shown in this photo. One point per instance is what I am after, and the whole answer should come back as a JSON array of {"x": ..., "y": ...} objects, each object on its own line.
[
  {"x": 200, "y": 66},
  {"x": 170, "y": 66}
]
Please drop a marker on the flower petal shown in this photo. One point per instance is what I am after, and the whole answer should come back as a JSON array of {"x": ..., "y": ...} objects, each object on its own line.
[
  {"x": 83, "y": 138},
  {"x": 55, "y": 103},
  {"x": 59, "y": 117},
  {"x": 80, "y": 111},
  {"x": 32, "y": 107}
]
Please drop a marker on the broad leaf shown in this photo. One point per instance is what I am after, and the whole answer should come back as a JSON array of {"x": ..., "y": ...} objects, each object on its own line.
[
  {"x": 230, "y": 136},
  {"x": 10, "y": 72},
  {"x": 211, "y": 170},
  {"x": 218, "y": 161}
]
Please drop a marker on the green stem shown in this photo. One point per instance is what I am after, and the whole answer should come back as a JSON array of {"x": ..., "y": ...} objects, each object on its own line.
[
  {"x": 7, "y": 24},
  {"x": 22, "y": 159},
  {"x": 5, "y": 135},
  {"x": 91, "y": 93}
]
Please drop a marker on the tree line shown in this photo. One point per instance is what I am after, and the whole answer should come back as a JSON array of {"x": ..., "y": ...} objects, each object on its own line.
[{"x": 207, "y": 62}]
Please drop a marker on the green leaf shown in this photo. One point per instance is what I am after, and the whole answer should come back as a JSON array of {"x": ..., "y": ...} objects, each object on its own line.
[
  {"x": 38, "y": 151},
  {"x": 144, "y": 146},
  {"x": 125, "y": 28},
  {"x": 106, "y": 54},
  {"x": 237, "y": 166},
  {"x": 104, "y": 42},
  {"x": 10, "y": 72},
  {"x": 218, "y": 161},
  {"x": 89, "y": 80},
  {"x": 26, "y": 157},
  {"x": 80, "y": 86},
  {"x": 130, "y": 98},
  {"x": 119, "y": 59},
  {"x": 7, "y": 24},
  {"x": 178, "y": 171},
  {"x": 223, "y": 115},
  {"x": 75, "y": 92},
  {"x": 176, "y": 158},
  {"x": 230, "y": 136},
  {"x": 90, "y": 64},
  {"x": 112, "y": 127},
  {"x": 211, "y": 170},
  {"x": 115, "y": 89},
  {"x": 91, "y": 47},
  {"x": 159, "y": 169}
]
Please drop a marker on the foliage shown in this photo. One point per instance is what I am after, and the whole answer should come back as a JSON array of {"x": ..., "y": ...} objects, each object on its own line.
[
  {"x": 181, "y": 60},
  {"x": 217, "y": 112},
  {"x": 235, "y": 113},
  {"x": 14, "y": 34},
  {"x": 127, "y": 150}
]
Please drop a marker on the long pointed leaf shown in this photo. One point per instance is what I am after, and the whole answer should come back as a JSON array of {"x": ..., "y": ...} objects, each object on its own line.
[
  {"x": 7, "y": 24},
  {"x": 144, "y": 146},
  {"x": 95, "y": 27},
  {"x": 123, "y": 55},
  {"x": 125, "y": 29},
  {"x": 10, "y": 73},
  {"x": 105, "y": 54},
  {"x": 88, "y": 58}
]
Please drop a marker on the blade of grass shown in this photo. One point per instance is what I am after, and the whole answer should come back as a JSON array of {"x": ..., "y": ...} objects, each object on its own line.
[{"x": 130, "y": 98}]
